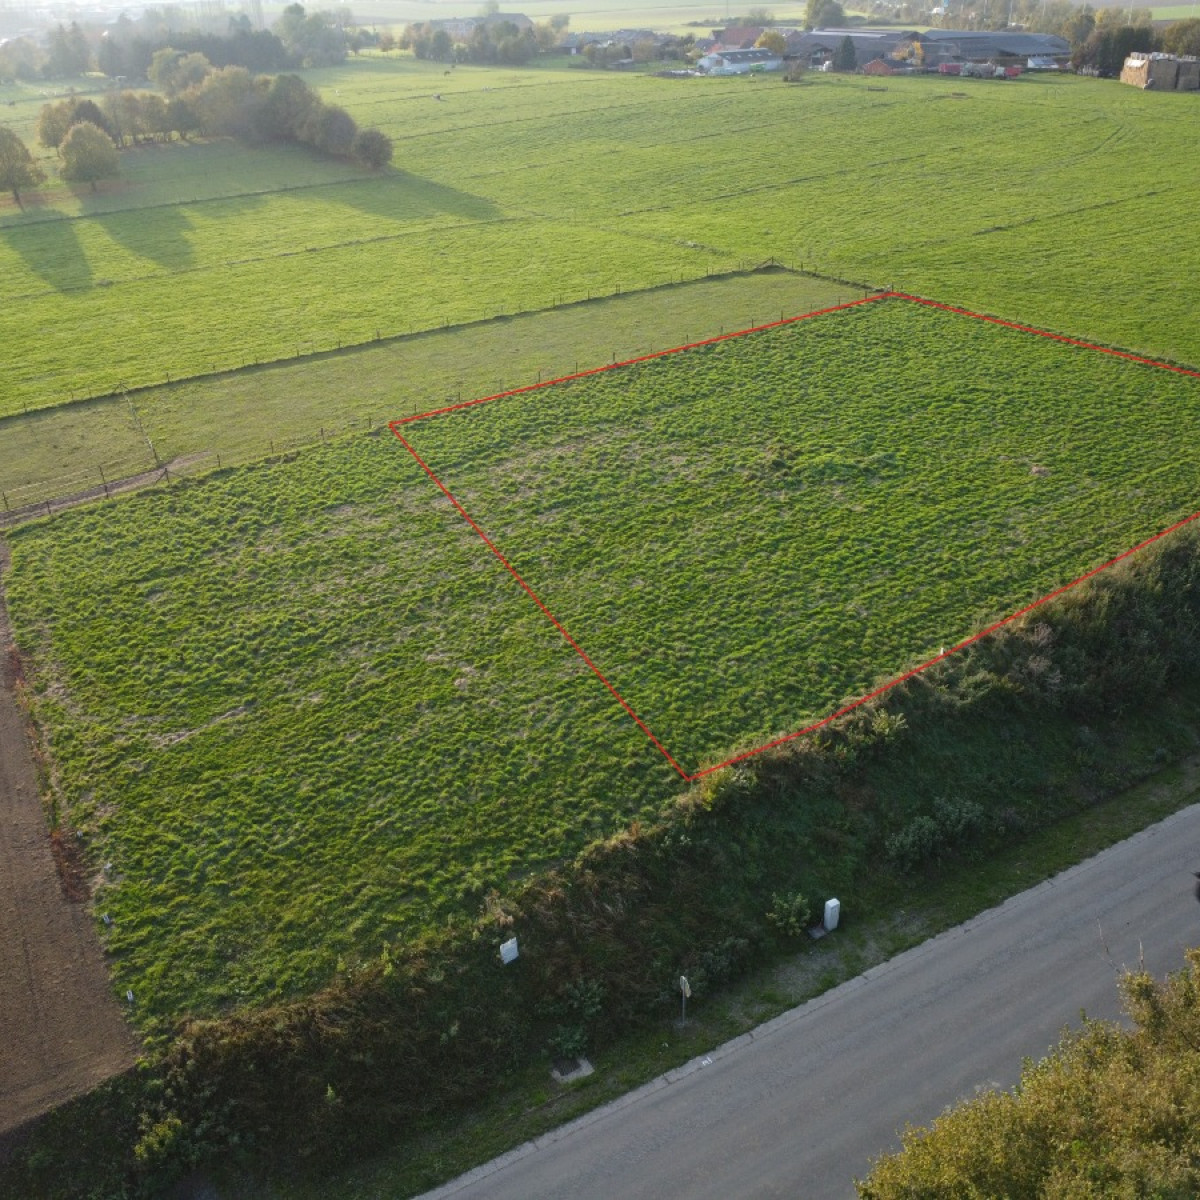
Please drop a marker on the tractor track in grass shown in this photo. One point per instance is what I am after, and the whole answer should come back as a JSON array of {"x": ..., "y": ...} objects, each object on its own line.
[{"x": 61, "y": 1030}]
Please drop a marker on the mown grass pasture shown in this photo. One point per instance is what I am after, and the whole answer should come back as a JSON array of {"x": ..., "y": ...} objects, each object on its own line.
[
  {"x": 1048, "y": 200},
  {"x": 239, "y": 417},
  {"x": 303, "y": 712}
]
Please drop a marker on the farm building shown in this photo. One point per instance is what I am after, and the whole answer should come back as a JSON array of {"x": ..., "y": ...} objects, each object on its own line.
[
  {"x": 460, "y": 29},
  {"x": 817, "y": 48},
  {"x": 1162, "y": 72},
  {"x": 739, "y": 62},
  {"x": 939, "y": 46},
  {"x": 887, "y": 66}
]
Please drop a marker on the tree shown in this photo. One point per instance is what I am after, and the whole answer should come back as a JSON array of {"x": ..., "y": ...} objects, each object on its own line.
[
  {"x": 331, "y": 130},
  {"x": 315, "y": 40},
  {"x": 824, "y": 14},
  {"x": 20, "y": 59},
  {"x": 844, "y": 58},
  {"x": 1182, "y": 37},
  {"x": 17, "y": 168},
  {"x": 88, "y": 155},
  {"x": 55, "y": 119},
  {"x": 288, "y": 109},
  {"x": 174, "y": 72},
  {"x": 155, "y": 118},
  {"x": 1077, "y": 26},
  {"x": 229, "y": 102},
  {"x": 1108, "y": 46},
  {"x": 772, "y": 40},
  {"x": 181, "y": 117},
  {"x": 645, "y": 50},
  {"x": 1110, "y": 1112},
  {"x": 373, "y": 149},
  {"x": 69, "y": 52},
  {"x": 122, "y": 115}
]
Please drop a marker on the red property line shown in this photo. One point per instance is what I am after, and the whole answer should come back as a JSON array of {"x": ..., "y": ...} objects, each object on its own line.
[
  {"x": 1054, "y": 337},
  {"x": 975, "y": 637},
  {"x": 487, "y": 541},
  {"x": 879, "y": 691},
  {"x": 629, "y": 362}
]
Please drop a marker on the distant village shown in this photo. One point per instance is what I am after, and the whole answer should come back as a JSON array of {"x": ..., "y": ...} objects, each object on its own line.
[{"x": 755, "y": 49}]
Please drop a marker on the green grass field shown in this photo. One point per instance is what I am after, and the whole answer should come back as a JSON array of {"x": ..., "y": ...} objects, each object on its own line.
[
  {"x": 1048, "y": 200},
  {"x": 303, "y": 712},
  {"x": 240, "y": 417}
]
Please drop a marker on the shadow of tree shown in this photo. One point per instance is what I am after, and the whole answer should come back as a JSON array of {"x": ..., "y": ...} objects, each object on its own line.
[
  {"x": 164, "y": 233},
  {"x": 398, "y": 195},
  {"x": 52, "y": 251},
  {"x": 161, "y": 234}
]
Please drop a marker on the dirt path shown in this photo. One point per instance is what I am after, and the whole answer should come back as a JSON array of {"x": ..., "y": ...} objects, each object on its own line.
[{"x": 61, "y": 1029}]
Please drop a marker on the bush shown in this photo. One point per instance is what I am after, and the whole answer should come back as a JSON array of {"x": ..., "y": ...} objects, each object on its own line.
[
  {"x": 372, "y": 148},
  {"x": 953, "y": 826},
  {"x": 791, "y": 915}
]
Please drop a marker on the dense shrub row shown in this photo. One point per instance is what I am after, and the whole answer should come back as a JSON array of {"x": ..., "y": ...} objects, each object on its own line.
[{"x": 1026, "y": 725}]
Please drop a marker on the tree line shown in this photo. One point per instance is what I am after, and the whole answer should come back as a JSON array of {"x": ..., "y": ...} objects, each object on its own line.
[
  {"x": 489, "y": 43},
  {"x": 199, "y": 99},
  {"x": 127, "y": 48}
]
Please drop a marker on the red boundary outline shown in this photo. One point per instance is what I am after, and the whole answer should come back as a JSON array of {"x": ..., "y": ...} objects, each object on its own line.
[{"x": 879, "y": 691}]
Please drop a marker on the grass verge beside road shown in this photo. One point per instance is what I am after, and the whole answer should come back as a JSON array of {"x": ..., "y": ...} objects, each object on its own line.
[{"x": 892, "y": 919}]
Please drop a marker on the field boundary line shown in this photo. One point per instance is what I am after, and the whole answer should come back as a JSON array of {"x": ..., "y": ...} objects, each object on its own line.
[
  {"x": 338, "y": 348},
  {"x": 1054, "y": 337},
  {"x": 487, "y": 541},
  {"x": 629, "y": 362},
  {"x": 700, "y": 773}
]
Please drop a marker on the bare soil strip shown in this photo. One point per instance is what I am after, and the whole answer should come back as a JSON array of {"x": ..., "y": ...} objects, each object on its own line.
[{"x": 61, "y": 1029}]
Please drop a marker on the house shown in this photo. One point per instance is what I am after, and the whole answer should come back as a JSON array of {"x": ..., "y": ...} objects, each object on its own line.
[
  {"x": 738, "y": 37},
  {"x": 887, "y": 66},
  {"x": 739, "y": 62},
  {"x": 1162, "y": 72}
]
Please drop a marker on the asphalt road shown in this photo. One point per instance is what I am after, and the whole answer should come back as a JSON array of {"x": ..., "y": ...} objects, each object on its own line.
[{"x": 800, "y": 1106}]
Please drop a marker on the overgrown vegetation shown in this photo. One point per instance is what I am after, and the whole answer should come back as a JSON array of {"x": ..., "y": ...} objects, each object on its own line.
[
  {"x": 423, "y": 1029},
  {"x": 1110, "y": 1112},
  {"x": 257, "y": 677}
]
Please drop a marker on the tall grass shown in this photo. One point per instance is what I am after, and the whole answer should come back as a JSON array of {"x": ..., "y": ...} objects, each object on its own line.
[{"x": 304, "y": 712}]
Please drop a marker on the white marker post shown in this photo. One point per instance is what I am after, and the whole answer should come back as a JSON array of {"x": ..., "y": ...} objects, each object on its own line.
[{"x": 685, "y": 990}]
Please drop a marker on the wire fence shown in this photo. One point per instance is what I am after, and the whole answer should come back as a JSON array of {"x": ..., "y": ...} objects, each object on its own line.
[
  {"x": 25, "y": 500},
  {"x": 106, "y": 480},
  {"x": 313, "y": 347}
]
